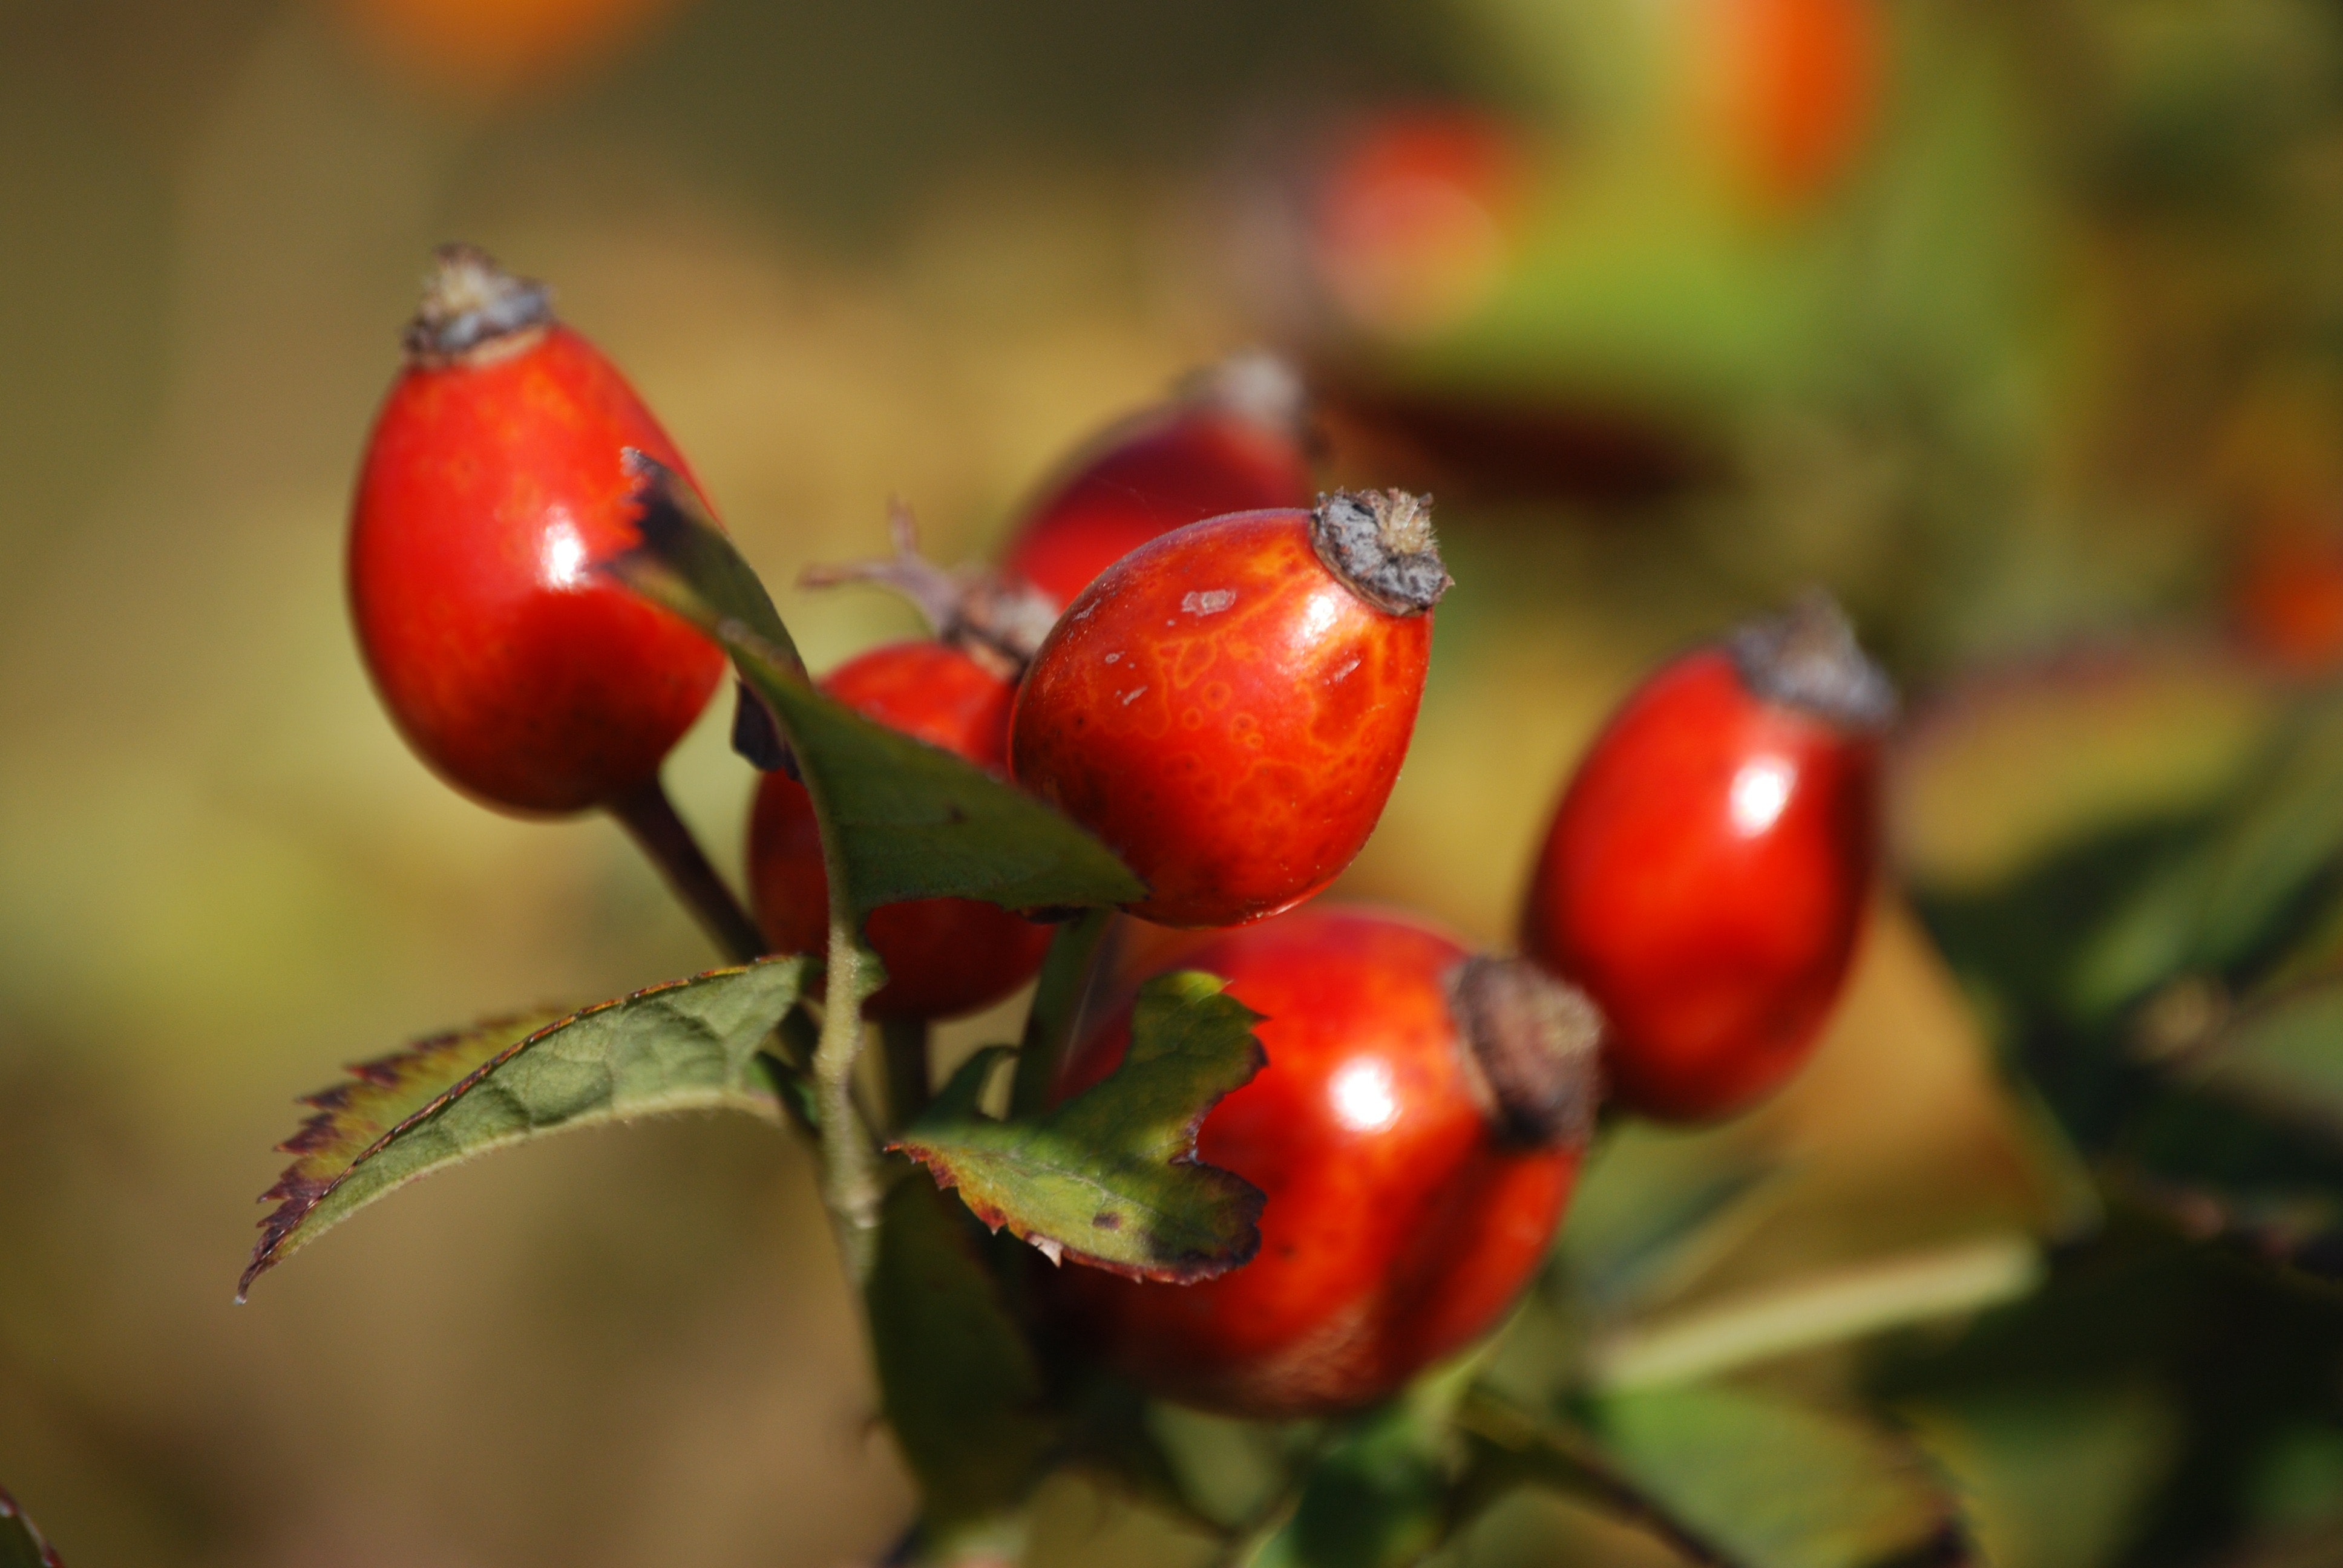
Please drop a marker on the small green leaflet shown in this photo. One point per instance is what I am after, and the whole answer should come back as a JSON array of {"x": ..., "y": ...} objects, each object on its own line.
[
  {"x": 21, "y": 1546},
  {"x": 1775, "y": 1484},
  {"x": 960, "y": 1386},
  {"x": 687, "y": 1045},
  {"x": 1111, "y": 1177},
  {"x": 908, "y": 820}
]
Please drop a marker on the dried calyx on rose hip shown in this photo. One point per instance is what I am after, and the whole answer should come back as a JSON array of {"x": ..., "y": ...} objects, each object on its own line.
[
  {"x": 1708, "y": 871},
  {"x": 493, "y": 482},
  {"x": 1228, "y": 706},
  {"x": 1235, "y": 438},
  {"x": 943, "y": 956},
  {"x": 1418, "y": 1131}
]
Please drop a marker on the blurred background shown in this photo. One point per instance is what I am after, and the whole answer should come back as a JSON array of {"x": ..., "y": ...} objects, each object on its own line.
[{"x": 2021, "y": 326}]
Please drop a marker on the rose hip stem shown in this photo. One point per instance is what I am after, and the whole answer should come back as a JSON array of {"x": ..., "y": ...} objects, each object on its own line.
[{"x": 650, "y": 818}]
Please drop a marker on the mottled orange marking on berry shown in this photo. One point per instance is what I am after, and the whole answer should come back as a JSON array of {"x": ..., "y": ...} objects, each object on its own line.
[{"x": 1270, "y": 791}]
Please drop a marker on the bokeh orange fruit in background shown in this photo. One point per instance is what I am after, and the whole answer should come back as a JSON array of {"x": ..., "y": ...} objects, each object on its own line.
[
  {"x": 1414, "y": 226},
  {"x": 1791, "y": 87},
  {"x": 495, "y": 49}
]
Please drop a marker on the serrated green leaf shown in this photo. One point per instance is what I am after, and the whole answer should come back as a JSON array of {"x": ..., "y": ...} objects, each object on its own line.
[
  {"x": 21, "y": 1546},
  {"x": 687, "y": 1045},
  {"x": 1777, "y": 1485},
  {"x": 1111, "y": 1177},
  {"x": 959, "y": 1383},
  {"x": 908, "y": 821}
]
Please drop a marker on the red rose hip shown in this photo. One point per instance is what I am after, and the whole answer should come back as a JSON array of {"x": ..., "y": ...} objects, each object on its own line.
[
  {"x": 1705, "y": 875},
  {"x": 943, "y": 956},
  {"x": 1416, "y": 1132},
  {"x": 1228, "y": 706},
  {"x": 494, "y": 481},
  {"x": 1231, "y": 442}
]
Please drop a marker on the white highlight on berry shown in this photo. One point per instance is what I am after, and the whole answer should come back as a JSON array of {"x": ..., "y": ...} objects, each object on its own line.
[
  {"x": 1758, "y": 793},
  {"x": 1363, "y": 1095},
  {"x": 565, "y": 555}
]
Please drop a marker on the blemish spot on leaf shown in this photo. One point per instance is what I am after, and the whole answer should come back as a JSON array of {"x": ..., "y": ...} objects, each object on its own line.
[{"x": 1107, "y": 1220}]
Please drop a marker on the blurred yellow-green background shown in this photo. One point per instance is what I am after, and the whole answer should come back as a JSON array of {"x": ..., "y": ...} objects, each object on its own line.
[{"x": 2015, "y": 323}]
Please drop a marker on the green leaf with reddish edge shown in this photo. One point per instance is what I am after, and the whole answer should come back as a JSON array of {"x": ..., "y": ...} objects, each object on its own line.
[
  {"x": 685, "y": 1045},
  {"x": 21, "y": 1546},
  {"x": 1111, "y": 1177},
  {"x": 960, "y": 1385},
  {"x": 1775, "y": 1484},
  {"x": 911, "y": 820}
]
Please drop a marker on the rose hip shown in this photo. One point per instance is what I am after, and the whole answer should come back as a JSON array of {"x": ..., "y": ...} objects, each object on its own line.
[
  {"x": 493, "y": 482},
  {"x": 1417, "y": 1132},
  {"x": 1228, "y": 707},
  {"x": 1706, "y": 872}
]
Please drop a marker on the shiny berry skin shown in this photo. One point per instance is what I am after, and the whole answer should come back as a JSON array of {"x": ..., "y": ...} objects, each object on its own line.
[
  {"x": 1228, "y": 710},
  {"x": 1232, "y": 443},
  {"x": 1405, "y": 1207},
  {"x": 495, "y": 478},
  {"x": 944, "y": 957},
  {"x": 1706, "y": 873}
]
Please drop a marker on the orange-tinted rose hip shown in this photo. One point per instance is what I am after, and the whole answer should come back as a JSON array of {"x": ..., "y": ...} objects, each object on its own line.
[
  {"x": 1228, "y": 706},
  {"x": 1706, "y": 872},
  {"x": 493, "y": 483},
  {"x": 943, "y": 956},
  {"x": 1231, "y": 442},
  {"x": 1416, "y": 1135}
]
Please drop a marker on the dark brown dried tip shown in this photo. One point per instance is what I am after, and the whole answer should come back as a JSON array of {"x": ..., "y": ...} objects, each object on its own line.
[
  {"x": 469, "y": 303},
  {"x": 1533, "y": 1043},
  {"x": 1381, "y": 543},
  {"x": 997, "y": 622},
  {"x": 1808, "y": 658},
  {"x": 1253, "y": 384}
]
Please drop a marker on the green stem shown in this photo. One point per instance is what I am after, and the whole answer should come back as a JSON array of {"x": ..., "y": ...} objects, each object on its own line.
[
  {"x": 650, "y": 818},
  {"x": 1057, "y": 1004},
  {"x": 850, "y": 1182},
  {"x": 908, "y": 1074}
]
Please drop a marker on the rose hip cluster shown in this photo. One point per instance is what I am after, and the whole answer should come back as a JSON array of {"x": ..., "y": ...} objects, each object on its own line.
[{"x": 1225, "y": 699}]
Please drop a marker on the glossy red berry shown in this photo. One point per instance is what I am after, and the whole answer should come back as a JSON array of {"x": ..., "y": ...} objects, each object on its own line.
[
  {"x": 1228, "y": 707},
  {"x": 1416, "y": 1133},
  {"x": 1233, "y": 442},
  {"x": 494, "y": 481},
  {"x": 1706, "y": 872},
  {"x": 943, "y": 956}
]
